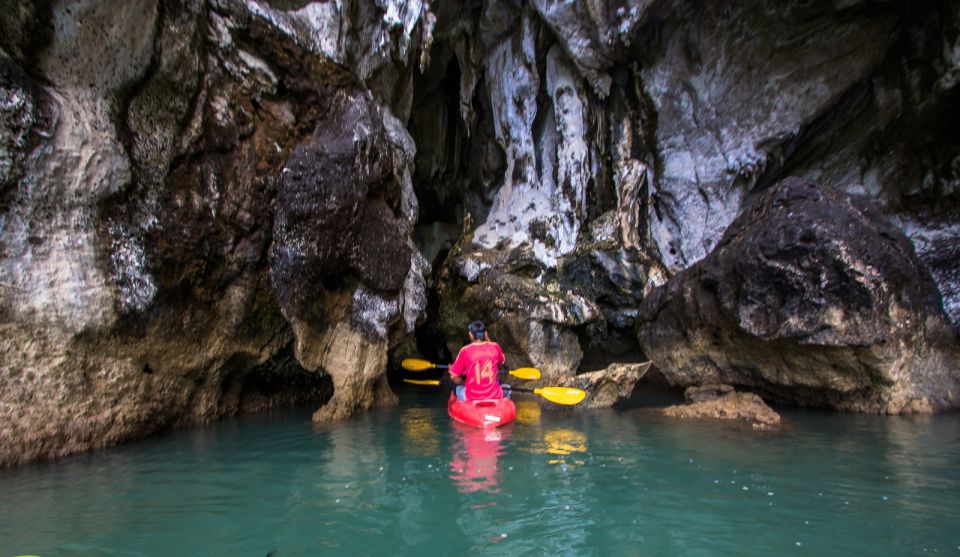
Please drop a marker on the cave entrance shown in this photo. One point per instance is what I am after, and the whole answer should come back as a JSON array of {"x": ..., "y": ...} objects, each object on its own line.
[{"x": 455, "y": 168}]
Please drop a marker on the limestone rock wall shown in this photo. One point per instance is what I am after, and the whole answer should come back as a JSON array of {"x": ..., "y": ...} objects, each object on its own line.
[
  {"x": 207, "y": 207},
  {"x": 203, "y": 198},
  {"x": 613, "y": 143},
  {"x": 811, "y": 297}
]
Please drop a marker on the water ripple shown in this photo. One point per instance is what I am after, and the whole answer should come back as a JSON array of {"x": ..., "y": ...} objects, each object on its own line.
[{"x": 405, "y": 481}]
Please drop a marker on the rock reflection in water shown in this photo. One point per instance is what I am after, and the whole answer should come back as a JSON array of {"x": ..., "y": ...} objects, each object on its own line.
[
  {"x": 420, "y": 434},
  {"x": 476, "y": 452},
  {"x": 562, "y": 442},
  {"x": 528, "y": 412}
]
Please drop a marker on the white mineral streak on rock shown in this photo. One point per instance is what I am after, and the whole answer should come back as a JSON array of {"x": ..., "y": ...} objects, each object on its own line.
[
  {"x": 364, "y": 42},
  {"x": 372, "y": 312},
  {"x": 414, "y": 296},
  {"x": 630, "y": 177},
  {"x": 403, "y": 15},
  {"x": 129, "y": 262},
  {"x": 426, "y": 36},
  {"x": 256, "y": 69},
  {"x": 220, "y": 31},
  {"x": 51, "y": 262},
  {"x": 323, "y": 21},
  {"x": 713, "y": 126},
  {"x": 576, "y": 24},
  {"x": 466, "y": 51},
  {"x": 400, "y": 137},
  {"x": 513, "y": 82},
  {"x": 471, "y": 268},
  {"x": 940, "y": 244},
  {"x": 546, "y": 210},
  {"x": 570, "y": 310},
  {"x": 572, "y": 172},
  {"x": 385, "y": 38},
  {"x": 951, "y": 62}
]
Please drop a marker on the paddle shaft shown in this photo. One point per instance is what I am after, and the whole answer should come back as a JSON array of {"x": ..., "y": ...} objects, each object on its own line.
[
  {"x": 416, "y": 364},
  {"x": 445, "y": 381},
  {"x": 519, "y": 389},
  {"x": 503, "y": 369},
  {"x": 559, "y": 395}
]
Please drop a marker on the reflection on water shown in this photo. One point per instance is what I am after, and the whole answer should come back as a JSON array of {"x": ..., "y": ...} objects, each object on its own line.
[
  {"x": 420, "y": 435},
  {"x": 558, "y": 441},
  {"x": 408, "y": 481},
  {"x": 528, "y": 412},
  {"x": 474, "y": 457},
  {"x": 565, "y": 442}
]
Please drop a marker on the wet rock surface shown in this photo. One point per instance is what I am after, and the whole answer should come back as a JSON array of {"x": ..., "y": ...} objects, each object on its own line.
[
  {"x": 192, "y": 191},
  {"x": 629, "y": 137},
  {"x": 813, "y": 297},
  {"x": 608, "y": 386},
  {"x": 724, "y": 403}
]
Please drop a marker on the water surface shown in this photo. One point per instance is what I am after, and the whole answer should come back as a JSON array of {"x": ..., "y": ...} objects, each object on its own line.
[{"x": 405, "y": 481}]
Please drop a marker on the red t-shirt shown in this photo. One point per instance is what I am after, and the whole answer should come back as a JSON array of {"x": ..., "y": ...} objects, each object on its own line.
[{"x": 478, "y": 363}]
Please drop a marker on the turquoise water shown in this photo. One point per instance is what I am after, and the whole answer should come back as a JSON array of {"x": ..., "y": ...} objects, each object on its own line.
[{"x": 405, "y": 481}]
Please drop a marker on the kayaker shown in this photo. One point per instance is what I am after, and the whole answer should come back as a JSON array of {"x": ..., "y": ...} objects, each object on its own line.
[{"x": 475, "y": 371}]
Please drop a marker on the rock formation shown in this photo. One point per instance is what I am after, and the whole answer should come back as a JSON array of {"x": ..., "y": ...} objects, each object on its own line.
[
  {"x": 611, "y": 144},
  {"x": 724, "y": 403},
  {"x": 608, "y": 386},
  {"x": 194, "y": 194},
  {"x": 813, "y": 297},
  {"x": 211, "y": 205}
]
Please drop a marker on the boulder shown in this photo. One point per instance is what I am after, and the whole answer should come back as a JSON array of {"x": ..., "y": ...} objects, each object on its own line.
[
  {"x": 607, "y": 386},
  {"x": 730, "y": 405},
  {"x": 812, "y": 297}
]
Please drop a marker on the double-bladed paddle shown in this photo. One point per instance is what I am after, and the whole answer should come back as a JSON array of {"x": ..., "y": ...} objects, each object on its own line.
[
  {"x": 416, "y": 364},
  {"x": 559, "y": 395}
]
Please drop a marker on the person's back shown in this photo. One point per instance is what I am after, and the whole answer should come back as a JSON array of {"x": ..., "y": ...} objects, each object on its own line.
[{"x": 477, "y": 364}]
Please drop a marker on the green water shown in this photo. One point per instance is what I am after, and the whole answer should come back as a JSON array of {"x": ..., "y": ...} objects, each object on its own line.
[{"x": 404, "y": 481}]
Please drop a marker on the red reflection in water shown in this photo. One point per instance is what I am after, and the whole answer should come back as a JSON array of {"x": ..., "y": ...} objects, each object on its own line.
[{"x": 473, "y": 466}]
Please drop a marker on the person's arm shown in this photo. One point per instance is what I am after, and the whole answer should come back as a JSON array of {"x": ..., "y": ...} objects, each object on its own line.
[{"x": 456, "y": 370}]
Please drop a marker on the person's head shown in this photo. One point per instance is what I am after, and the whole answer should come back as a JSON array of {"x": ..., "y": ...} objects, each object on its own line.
[{"x": 477, "y": 331}]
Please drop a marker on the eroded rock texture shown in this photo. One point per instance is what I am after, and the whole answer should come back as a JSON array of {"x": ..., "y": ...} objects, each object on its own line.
[
  {"x": 202, "y": 201},
  {"x": 721, "y": 402},
  {"x": 207, "y": 207},
  {"x": 811, "y": 297},
  {"x": 608, "y": 386},
  {"x": 604, "y": 147}
]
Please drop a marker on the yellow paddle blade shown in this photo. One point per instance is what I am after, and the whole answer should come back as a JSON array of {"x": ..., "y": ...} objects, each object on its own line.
[
  {"x": 526, "y": 373},
  {"x": 432, "y": 382},
  {"x": 561, "y": 395},
  {"x": 415, "y": 364}
]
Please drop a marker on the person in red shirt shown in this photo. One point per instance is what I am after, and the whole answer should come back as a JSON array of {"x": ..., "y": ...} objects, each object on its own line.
[{"x": 476, "y": 369}]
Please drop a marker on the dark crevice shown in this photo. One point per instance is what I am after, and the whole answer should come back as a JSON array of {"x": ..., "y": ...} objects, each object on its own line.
[
  {"x": 281, "y": 381},
  {"x": 603, "y": 344}
]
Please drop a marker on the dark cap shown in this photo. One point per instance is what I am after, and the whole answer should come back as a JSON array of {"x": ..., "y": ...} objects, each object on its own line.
[{"x": 476, "y": 329}]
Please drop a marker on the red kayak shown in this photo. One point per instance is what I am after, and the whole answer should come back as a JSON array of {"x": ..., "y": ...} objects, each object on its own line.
[{"x": 482, "y": 413}]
